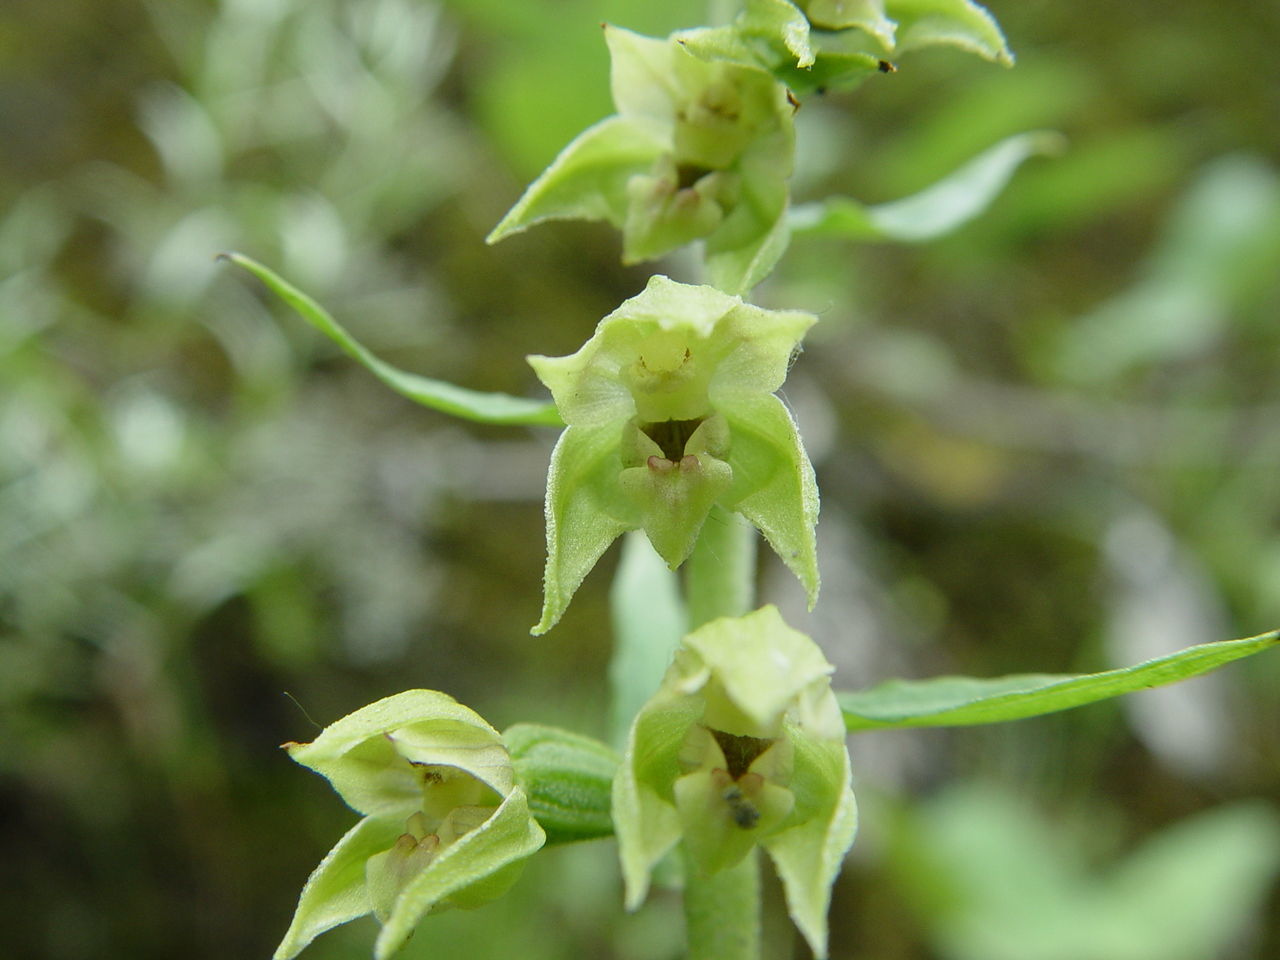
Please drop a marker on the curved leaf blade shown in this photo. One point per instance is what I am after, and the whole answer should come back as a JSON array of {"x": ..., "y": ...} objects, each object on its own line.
[
  {"x": 967, "y": 701},
  {"x": 477, "y": 405},
  {"x": 936, "y": 210}
]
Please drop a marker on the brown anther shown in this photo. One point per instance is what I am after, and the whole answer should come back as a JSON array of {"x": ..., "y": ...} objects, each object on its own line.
[
  {"x": 660, "y": 464},
  {"x": 740, "y": 752}
]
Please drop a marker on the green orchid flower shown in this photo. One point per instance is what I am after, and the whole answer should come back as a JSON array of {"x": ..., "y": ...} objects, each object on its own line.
[
  {"x": 445, "y": 824},
  {"x": 742, "y": 746},
  {"x": 671, "y": 410},
  {"x": 697, "y": 150},
  {"x": 814, "y": 44}
]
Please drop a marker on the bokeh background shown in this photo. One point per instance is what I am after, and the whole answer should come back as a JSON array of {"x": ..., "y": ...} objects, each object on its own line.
[{"x": 1047, "y": 443}]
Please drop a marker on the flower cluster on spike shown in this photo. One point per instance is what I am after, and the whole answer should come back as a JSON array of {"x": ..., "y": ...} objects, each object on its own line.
[
  {"x": 444, "y": 822},
  {"x": 671, "y": 410},
  {"x": 742, "y": 745},
  {"x": 814, "y": 44},
  {"x": 699, "y": 149}
]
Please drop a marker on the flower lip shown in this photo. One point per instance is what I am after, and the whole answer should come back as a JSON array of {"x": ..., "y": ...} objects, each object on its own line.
[
  {"x": 740, "y": 751},
  {"x": 672, "y": 436}
]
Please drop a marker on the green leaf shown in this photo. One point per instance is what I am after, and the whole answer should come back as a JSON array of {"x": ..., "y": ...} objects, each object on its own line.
[
  {"x": 965, "y": 701},
  {"x": 335, "y": 892},
  {"x": 568, "y": 778},
  {"x": 955, "y": 23},
  {"x": 934, "y": 211},
  {"x": 648, "y": 622},
  {"x": 774, "y": 486},
  {"x": 586, "y": 511},
  {"x": 487, "y": 858},
  {"x": 436, "y": 394},
  {"x": 588, "y": 180}
]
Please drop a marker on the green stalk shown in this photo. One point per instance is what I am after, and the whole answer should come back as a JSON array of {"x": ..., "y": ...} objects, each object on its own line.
[
  {"x": 722, "y": 911},
  {"x": 720, "y": 576}
]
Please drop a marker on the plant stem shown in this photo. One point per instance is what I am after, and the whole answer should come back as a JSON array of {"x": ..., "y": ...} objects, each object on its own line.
[
  {"x": 720, "y": 577},
  {"x": 722, "y": 911}
]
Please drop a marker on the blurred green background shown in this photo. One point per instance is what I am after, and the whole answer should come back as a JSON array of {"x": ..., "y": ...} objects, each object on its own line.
[{"x": 1049, "y": 442}]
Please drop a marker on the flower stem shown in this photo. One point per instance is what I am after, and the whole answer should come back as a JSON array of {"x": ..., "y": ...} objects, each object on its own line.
[
  {"x": 722, "y": 911},
  {"x": 720, "y": 578}
]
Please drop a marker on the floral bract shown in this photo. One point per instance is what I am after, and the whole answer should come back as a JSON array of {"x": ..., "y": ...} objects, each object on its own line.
[
  {"x": 743, "y": 745},
  {"x": 670, "y": 409},
  {"x": 445, "y": 824},
  {"x": 697, "y": 150}
]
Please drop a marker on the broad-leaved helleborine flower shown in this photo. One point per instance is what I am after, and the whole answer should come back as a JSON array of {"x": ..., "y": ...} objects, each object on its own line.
[
  {"x": 814, "y": 44},
  {"x": 671, "y": 410},
  {"x": 697, "y": 149},
  {"x": 444, "y": 822},
  {"x": 742, "y": 745}
]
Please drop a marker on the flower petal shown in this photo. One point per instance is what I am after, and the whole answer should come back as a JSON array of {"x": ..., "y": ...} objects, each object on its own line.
[
  {"x": 586, "y": 511},
  {"x": 481, "y": 865},
  {"x": 588, "y": 180},
  {"x": 773, "y": 484},
  {"x": 335, "y": 892},
  {"x": 369, "y": 756},
  {"x": 808, "y": 856}
]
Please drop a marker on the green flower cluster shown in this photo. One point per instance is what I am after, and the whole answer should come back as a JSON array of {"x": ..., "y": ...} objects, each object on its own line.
[
  {"x": 699, "y": 150},
  {"x": 742, "y": 746},
  {"x": 444, "y": 825},
  {"x": 671, "y": 410}
]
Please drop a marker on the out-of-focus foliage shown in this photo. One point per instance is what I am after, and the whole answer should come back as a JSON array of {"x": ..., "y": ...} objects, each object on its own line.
[
  {"x": 1046, "y": 443},
  {"x": 992, "y": 880}
]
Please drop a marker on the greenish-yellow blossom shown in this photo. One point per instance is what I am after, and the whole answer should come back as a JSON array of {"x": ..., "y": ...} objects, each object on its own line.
[
  {"x": 697, "y": 150},
  {"x": 671, "y": 409},
  {"x": 813, "y": 44},
  {"x": 445, "y": 824},
  {"x": 742, "y": 746}
]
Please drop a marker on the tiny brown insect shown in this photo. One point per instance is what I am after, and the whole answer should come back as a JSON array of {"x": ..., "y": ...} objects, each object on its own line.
[{"x": 884, "y": 66}]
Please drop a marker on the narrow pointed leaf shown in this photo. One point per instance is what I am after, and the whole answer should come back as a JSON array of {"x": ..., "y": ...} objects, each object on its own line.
[
  {"x": 438, "y": 395},
  {"x": 335, "y": 892},
  {"x": 568, "y": 779},
  {"x": 938, "y": 209},
  {"x": 588, "y": 180},
  {"x": 489, "y": 855},
  {"x": 965, "y": 701}
]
